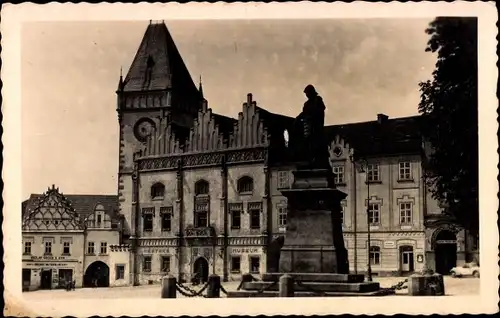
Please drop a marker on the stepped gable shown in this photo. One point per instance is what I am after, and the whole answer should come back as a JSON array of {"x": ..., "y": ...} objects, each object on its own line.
[
  {"x": 158, "y": 65},
  {"x": 82, "y": 204},
  {"x": 163, "y": 140},
  {"x": 384, "y": 136},
  {"x": 205, "y": 136},
  {"x": 249, "y": 131}
]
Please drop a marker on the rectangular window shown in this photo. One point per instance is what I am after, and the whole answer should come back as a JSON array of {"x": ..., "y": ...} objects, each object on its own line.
[
  {"x": 147, "y": 222},
  {"x": 235, "y": 219},
  {"x": 405, "y": 212},
  {"x": 375, "y": 255},
  {"x": 235, "y": 264},
  {"x": 235, "y": 209},
  {"x": 66, "y": 248},
  {"x": 201, "y": 211},
  {"x": 338, "y": 172},
  {"x": 99, "y": 220},
  {"x": 146, "y": 264},
  {"x": 283, "y": 181},
  {"x": 120, "y": 271},
  {"x": 374, "y": 213},
  {"x": 254, "y": 209},
  {"x": 282, "y": 212},
  {"x": 373, "y": 173},
  {"x": 254, "y": 264},
  {"x": 165, "y": 264},
  {"x": 201, "y": 219},
  {"x": 48, "y": 248},
  {"x": 90, "y": 248},
  {"x": 166, "y": 221},
  {"x": 104, "y": 248},
  {"x": 27, "y": 248},
  {"x": 404, "y": 171},
  {"x": 255, "y": 219}
]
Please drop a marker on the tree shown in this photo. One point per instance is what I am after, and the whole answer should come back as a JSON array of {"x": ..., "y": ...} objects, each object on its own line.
[{"x": 449, "y": 108}]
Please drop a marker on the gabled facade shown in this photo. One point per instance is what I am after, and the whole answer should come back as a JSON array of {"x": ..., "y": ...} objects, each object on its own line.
[{"x": 71, "y": 238}]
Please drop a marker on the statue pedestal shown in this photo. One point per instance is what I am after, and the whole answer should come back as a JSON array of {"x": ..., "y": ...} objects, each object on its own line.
[{"x": 314, "y": 241}]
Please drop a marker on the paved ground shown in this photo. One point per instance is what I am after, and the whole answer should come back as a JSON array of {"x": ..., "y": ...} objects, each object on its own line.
[{"x": 453, "y": 286}]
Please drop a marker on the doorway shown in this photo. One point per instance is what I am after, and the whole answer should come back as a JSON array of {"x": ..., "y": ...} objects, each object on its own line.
[
  {"x": 46, "y": 279},
  {"x": 26, "y": 278},
  {"x": 65, "y": 276},
  {"x": 445, "y": 250},
  {"x": 200, "y": 269},
  {"x": 96, "y": 275},
  {"x": 407, "y": 259}
]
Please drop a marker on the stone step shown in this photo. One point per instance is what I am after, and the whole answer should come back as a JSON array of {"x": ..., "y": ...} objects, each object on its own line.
[
  {"x": 317, "y": 277},
  {"x": 316, "y": 286},
  {"x": 253, "y": 293}
]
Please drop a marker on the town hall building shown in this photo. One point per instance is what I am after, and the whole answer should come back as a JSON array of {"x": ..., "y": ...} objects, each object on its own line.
[{"x": 200, "y": 193}]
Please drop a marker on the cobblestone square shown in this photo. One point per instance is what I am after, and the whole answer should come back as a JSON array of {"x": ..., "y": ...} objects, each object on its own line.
[{"x": 453, "y": 286}]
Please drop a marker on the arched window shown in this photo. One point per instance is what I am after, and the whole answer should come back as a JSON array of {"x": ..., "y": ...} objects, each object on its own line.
[
  {"x": 157, "y": 190},
  {"x": 201, "y": 187},
  {"x": 375, "y": 255},
  {"x": 99, "y": 216},
  {"x": 245, "y": 185}
]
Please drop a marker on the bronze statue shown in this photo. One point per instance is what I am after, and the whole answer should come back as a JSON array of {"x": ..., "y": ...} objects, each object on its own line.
[{"x": 313, "y": 149}]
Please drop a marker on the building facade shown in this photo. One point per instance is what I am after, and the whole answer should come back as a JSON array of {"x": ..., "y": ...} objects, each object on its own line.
[
  {"x": 201, "y": 192},
  {"x": 71, "y": 238}
]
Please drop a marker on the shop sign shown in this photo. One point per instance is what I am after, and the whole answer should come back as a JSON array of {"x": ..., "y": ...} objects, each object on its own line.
[
  {"x": 241, "y": 250},
  {"x": 446, "y": 242},
  {"x": 48, "y": 258},
  {"x": 389, "y": 244},
  {"x": 47, "y": 264}
]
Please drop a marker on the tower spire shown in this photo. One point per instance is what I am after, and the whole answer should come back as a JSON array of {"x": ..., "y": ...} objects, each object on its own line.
[{"x": 120, "y": 83}]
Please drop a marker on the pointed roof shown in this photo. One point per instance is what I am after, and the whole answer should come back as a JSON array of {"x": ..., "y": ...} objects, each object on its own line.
[{"x": 158, "y": 64}]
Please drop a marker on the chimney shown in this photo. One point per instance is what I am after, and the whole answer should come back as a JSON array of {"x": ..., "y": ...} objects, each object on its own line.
[{"x": 381, "y": 118}]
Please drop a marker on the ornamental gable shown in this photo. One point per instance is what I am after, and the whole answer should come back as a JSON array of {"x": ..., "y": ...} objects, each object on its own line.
[
  {"x": 205, "y": 135},
  {"x": 51, "y": 212},
  {"x": 162, "y": 141},
  {"x": 249, "y": 131}
]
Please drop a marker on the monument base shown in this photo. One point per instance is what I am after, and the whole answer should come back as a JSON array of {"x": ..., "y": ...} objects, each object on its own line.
[{"x": 311, "y": 285}]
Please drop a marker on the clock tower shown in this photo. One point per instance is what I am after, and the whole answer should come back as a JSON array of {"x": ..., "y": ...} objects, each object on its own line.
[{"x": 157, "y": 87}]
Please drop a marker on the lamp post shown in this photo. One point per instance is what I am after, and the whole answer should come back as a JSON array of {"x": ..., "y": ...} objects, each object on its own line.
[{"x": 363, "y": 168}]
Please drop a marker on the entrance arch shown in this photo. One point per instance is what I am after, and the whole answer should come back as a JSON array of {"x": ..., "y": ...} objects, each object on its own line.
[
  {"x": 200, "y": 269},
  {"x": 96, "y": 275},
  {"x": 445, "y": 250}
]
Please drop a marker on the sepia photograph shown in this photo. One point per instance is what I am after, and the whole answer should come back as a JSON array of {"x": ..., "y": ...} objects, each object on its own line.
[{"x": 171, "y": 156}]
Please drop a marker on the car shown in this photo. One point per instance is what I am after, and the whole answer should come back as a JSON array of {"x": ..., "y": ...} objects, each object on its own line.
[{"x": 468, "y": 269}]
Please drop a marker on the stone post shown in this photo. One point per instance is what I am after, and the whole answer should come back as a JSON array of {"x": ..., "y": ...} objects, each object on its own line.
[
  {"x": 168, "y": 289},
  {"x": 213, "y": 289},
  {"x": 286, "y": 286}
]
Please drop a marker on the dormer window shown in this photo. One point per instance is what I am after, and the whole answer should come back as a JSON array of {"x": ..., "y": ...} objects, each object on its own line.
[
  {"x": 245, "y": 185},
  {"x": 157, "y": 191},
  {"x": 201, "y": 188}
]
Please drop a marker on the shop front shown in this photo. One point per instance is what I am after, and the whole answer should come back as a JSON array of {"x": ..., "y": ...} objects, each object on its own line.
[
  {"x": 50, "y": 273},
  {"x": 246, "y": 259}
]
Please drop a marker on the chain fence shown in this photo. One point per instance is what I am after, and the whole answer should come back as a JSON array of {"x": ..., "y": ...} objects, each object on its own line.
[{"x": 186, "y": 291}]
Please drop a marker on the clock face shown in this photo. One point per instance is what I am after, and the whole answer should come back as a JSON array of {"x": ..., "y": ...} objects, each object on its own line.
[
  {"x": 143, "y": 128},
  {"x": 337, "y": 151}
]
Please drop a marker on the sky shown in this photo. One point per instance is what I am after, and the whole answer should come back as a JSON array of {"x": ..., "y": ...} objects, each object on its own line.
[{"x": 70, "y": 71}]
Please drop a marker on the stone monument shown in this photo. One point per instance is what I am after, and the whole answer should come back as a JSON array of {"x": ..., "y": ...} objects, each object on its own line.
[{"x": 312, "y": 252}]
